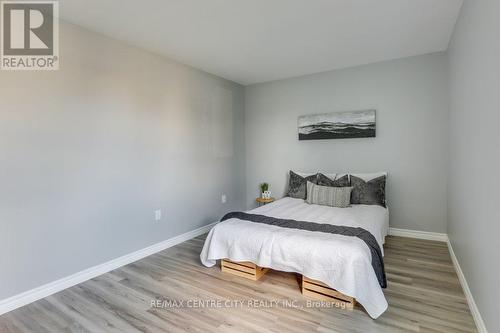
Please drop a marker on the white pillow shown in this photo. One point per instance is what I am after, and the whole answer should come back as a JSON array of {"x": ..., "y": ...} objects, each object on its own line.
[
  {"x": 307, "y": 174},
  {"x": 329, "y": 175},
  {"x": 328, "y": 196},
  {"x": 369, "y": 176},
  {"x": 340, "y": 175}
]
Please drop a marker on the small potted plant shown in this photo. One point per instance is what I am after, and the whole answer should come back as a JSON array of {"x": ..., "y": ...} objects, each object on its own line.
[{"x": 264, "y": 189}]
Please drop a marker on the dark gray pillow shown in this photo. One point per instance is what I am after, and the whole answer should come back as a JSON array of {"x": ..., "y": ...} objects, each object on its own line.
[
  {"x": 371, "y": 192},
  {"x": 297, "y": 185},
  {"x": 326, "y": 181}
]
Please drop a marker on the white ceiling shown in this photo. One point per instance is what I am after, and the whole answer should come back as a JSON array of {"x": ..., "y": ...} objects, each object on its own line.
[{"x": 251, "y": 41}]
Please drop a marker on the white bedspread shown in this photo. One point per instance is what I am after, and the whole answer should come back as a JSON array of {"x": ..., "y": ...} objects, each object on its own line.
[{"x": 342, "y": 262}]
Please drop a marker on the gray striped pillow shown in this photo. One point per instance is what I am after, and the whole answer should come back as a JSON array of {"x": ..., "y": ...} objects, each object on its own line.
[{"x": 328, "y": 196}]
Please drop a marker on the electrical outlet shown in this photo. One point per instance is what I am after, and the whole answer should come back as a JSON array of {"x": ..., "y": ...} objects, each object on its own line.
[
  {"x": 158, "y": 215},
  {"x": 223, "y": 199}
]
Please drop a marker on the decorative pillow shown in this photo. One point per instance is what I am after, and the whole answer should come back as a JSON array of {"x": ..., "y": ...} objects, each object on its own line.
[
  {"x": 329, "y": 175},
  {"x": 305, "y": 174},
  {"x": 297, "y": 185},
  {"x": 328, "y": 195},
  {"x": 327, "y": 181},
  {"x": 370, "y": 192},
  {"x": 369, "y": 176}
]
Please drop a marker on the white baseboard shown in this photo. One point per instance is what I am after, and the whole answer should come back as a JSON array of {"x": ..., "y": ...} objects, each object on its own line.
[
  {"x": 481, "y": 327},
  {"x": 48, "y": 289},
  {"x": 463, "y": 282},
  {"x": 435, "y": 236}
]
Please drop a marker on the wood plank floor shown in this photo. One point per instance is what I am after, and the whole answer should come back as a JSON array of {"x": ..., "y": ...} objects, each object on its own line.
[{"x": 424, "y": 295}]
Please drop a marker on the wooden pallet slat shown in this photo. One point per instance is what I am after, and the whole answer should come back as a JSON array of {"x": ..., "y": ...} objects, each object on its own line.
[
  {"x": 246, "y": 270},
  {"x": 320, "y": 291}
]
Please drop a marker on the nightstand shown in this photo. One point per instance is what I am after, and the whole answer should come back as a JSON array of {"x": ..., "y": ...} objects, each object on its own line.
[{"x": 263, "y": 201}]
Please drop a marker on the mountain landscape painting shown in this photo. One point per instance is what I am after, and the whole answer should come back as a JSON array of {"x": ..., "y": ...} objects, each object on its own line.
[{"x": 337, "y": 125}]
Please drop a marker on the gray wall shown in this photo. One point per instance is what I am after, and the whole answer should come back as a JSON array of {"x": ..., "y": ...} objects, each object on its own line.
[
  {"x": 87, "y": 153},
  {"x": 410, "y": 96},
  {"x": 474, "y": 183}
]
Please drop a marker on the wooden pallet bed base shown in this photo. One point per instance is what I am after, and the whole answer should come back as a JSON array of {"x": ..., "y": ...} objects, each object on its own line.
[
  {"x": 244, "y": 269},
  {"x": 310, "y": 288},
  {"x": 320, "y": 291}
]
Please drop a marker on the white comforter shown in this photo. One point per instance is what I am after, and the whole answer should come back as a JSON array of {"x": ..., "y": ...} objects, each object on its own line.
[{"x": 342, "y": 262}]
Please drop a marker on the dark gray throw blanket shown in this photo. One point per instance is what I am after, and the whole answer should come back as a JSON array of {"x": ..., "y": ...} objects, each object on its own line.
[{"x": 364, "y": 235}]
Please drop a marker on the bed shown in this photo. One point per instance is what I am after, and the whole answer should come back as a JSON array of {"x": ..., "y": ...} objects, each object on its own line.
[{"x": 339, "y": 261}]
